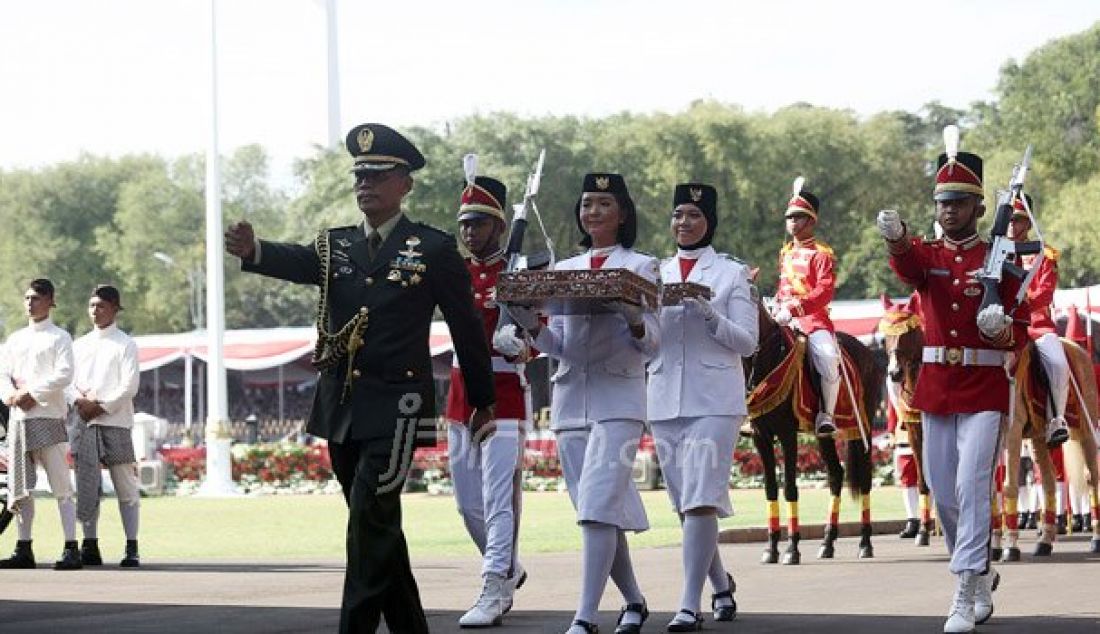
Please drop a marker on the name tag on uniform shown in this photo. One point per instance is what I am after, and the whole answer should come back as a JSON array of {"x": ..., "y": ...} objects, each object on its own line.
[{"x": 939, "y": 272}]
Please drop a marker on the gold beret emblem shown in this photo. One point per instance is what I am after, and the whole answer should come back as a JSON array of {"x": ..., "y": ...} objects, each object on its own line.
[
  {"x": 696, "y": 194},
  {"x": 603, "y": 182},
  {"x": 365, "y": 139}
]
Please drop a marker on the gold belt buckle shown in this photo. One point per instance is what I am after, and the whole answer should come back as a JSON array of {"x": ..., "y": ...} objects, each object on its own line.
[{"x": 954, "y": 356}]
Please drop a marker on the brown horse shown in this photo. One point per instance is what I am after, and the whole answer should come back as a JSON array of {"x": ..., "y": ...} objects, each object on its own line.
[
  {"x": 903, "y": 341},
  {"x": 903, "y": 345},
  {"x": 780, "y": 422}
]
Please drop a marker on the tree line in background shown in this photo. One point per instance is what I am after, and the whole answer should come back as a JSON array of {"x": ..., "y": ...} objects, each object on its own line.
[{"x": 99, "y": 219}]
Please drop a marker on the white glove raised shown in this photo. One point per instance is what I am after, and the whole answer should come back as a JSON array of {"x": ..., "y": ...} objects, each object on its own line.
[
  {"x": 696, "y": 305},
  {"x": 632, "y": 313},
  {"x": 993, "y": 321},
  {"x": 524, "y": 316},
  {"x": 507, "y": 343},
  {"x": 782, "y": 315},
  {"x": 890, "y": 226}
]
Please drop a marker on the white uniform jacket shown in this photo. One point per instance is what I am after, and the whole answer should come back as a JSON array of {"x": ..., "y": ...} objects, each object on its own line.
[
  {"x": 601, "y": 366},
  {"x": 107, "y": 372},
  {"x": 698, "y": 369},
  {"x": 38, "y": 358}
]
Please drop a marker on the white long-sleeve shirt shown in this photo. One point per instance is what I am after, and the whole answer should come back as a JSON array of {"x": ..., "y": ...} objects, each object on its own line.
[
  {"x": 38, "y": 358},
  {"x": 107, "y": 372}
]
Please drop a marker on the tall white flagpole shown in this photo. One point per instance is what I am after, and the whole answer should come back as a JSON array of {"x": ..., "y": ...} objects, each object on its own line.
[
  {"x": 334, "y": 139},
  {"x": 219, "y": 467}
]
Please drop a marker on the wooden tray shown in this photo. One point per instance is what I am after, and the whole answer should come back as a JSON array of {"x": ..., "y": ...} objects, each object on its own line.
[
  {"x": 577, "y": 291},
  {"x": 674, "y": 294}
]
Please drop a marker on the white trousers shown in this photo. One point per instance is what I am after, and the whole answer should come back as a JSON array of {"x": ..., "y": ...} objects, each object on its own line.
[
  {"x": 1053, "y": 358},
  {"x": 960, "y": 454},
  {"x": 826, "y": 360},
  {"x": 487, "y": 487},
  {"x": 54, "y": 462},
  {"x": 598, "y": 465}
]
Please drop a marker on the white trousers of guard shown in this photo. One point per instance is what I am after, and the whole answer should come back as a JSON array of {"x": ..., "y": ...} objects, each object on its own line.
[
  {"x": 1053, "y": 357},
  {"x": 56, "y": 465},
  {"x": 486, "y": 479},
  {"x": 960, "y": 454},
  {"x": 826, "y": 360}
]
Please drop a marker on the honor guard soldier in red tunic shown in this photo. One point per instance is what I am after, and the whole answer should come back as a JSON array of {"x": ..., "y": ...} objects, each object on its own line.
[
  {"x": 1040, "y": 296},
  {"x": 380, "y": 281},
  {"x": 962, "y": 389},
  {"x": 806, "y": 286},
  {"x": 486, "y": 470}
]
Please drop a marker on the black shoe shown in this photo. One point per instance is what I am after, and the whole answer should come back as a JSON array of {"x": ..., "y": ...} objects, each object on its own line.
[
  {"x": 89, "y": 553},
  {"x": 1078, "y": 523},
  {"x": 131, "y": 560},
  {"x": 1057, "y": 437},
  {"x": 1061, "y": 523},
  {"x": 70, "y": 558},
  {"x": 631, "y": 628},
  {"x": 1032, "y": 521},
  {"x": 22, "y": 558},
  {"x": 725, "y": 612},
  {"x": 912, "y": 527},
  {"x": 590, "y": 628},
  {"x": 824, "y": 426},
  {"x": 683, "y": 625}
]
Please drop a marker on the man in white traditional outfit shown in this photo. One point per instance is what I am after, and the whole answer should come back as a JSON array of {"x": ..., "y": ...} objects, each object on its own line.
[
  {"x": 35, "y": 368},
  {"x": 102, "y": 394}
]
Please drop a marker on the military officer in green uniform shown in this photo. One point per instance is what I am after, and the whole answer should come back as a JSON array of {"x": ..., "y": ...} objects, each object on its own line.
[{"x": 380, "y": 282}]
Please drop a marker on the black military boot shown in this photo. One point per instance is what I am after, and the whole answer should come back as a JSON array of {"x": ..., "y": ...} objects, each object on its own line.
[
  {"x": 1061, "y": 523},
  {"x": 89, "y": 552},
  {"x": 131, "y": 560},
  {"x": 70, "y": 558},
  {"x": 1078, "y": 525},
  {"x": 23, "y": 557},
  {"x": 912, "y": 527}
]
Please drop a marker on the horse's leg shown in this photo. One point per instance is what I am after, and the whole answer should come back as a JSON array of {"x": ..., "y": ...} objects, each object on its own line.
[
  {"x": 996, "y": 525},
  {"x": 1089, "y": 451},
  {"x": 927, "y": 524},
  {"x": 1049, "y": 529},
  {"x": 1013, "y": 450},
  {"x": 835, "y": 477},
  {"x": 788, "y": 440},
  {"x": 763, "y": 439}
]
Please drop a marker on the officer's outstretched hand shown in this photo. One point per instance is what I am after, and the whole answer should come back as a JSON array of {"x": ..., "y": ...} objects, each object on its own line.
[
  {"x": 483, "y": 423},
  {"x": 890, "y": 225},
  {"x": 240, "y": 240},
  {"x": 993, "y": 321}
]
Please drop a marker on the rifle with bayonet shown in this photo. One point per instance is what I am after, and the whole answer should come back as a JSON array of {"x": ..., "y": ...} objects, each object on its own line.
[
  {"x": 1005, "y": 255},
  {"x": 513, "y": 252}
]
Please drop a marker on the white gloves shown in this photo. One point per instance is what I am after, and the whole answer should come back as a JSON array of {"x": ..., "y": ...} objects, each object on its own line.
[
  {"x": 696, "y": 305},
  {"x": 992, "y": 321},
  {"x": 630, "y": 312},
  {"x": 890, "y": 225},
  {"x": 507, "y": 343},
  {"x": 525, "y": 317},
  {"x": 782, "y": 315}
]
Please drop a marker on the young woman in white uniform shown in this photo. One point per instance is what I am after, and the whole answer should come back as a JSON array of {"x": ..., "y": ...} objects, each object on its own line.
[
  {"x": 598, "y": 406},
  {"x": 697, "y": 394}
]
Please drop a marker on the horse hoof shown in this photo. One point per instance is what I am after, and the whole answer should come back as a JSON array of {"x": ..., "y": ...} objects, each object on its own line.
[
  {"x": 1043, "y": 549},
  {"x": 922, "y": 539},
  {"x": 826, "y": 551},
  {"x": 995, "y": 553},
  {"x": 866, "y": 552},
  {"x": 792, "y": 558},
  {"x": 1011, "y": 554},
  {"x": 1094, "y": 546},
  {"x": 770, "y": 557}
]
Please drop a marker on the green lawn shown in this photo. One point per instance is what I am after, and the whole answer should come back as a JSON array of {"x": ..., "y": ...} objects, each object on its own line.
[{"x": 279, "y": 527}]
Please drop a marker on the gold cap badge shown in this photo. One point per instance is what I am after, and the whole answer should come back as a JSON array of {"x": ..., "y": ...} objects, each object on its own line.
[
  {"x": 365, "y": 139},
  {"x": 696, "y": 194},
  {"x": 603, "y": 182}
]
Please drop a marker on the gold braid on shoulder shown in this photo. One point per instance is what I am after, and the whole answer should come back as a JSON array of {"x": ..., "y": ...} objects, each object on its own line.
[{"x": 332, "y": 347}]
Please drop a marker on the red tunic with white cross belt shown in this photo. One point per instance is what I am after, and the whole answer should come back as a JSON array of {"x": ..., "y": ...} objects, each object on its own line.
[
  {"x": 508, "y": 376},
  {"x": 943, "y": 273},
  {"x": 1040, "y": 295},
  {"x": 807, "y": 283}
]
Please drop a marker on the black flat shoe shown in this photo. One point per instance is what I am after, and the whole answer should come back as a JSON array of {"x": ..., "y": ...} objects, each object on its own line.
[
  {"x": 683, "y": 625},
  {"x": 631, "y": 628},
  {"x": 589, "y": 628},
  {"x": 725, "y": 612}
]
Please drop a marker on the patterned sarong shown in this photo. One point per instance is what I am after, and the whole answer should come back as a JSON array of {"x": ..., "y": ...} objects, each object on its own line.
[
  {"x": 95, "y": 445},
  {"x": 25, "y": 436}
]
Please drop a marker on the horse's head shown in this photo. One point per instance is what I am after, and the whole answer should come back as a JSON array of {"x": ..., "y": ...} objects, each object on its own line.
[
  {"x": 903, "y": 338},
  {"x": 772, "y": 347}
]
